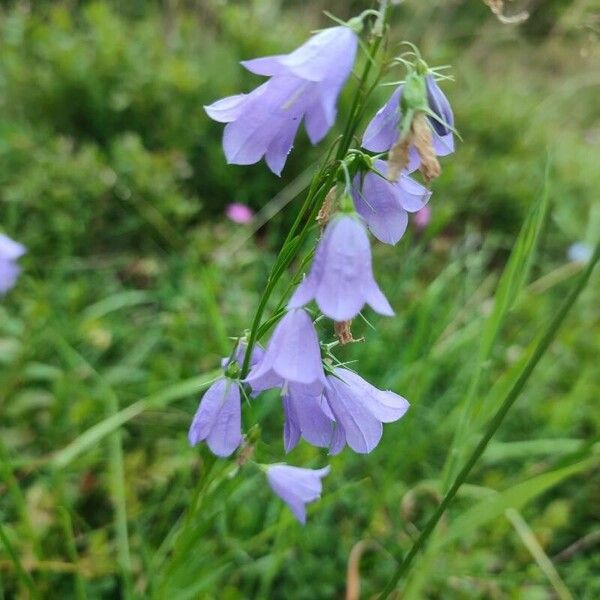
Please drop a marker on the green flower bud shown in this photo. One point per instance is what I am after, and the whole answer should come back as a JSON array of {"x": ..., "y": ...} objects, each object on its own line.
[{"x": 414, "y": 93}]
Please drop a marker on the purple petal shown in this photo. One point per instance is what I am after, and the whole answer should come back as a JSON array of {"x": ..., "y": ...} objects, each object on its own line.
[
  {"x": 379, "y": 205},
  {"x": 291, "y": 427},
  {"x": 439, "y": 105},
  {"x": 9, "y": 272},
  {"x": 328, "y": 52},
  {"x": 274, "y": 110},
  {"x": 383, "y": 130},
  {"x": 311, "y": 416},
  {"x": 384, "y": 405},
  {"x": 281, "y": 146},
  {"x": 9, "y": 249},
  {"x": 218, "y": 419},
  {"x": 266, "y": 65},
  {"x": 443, "y": 145},
  {"x": 412, "y": 195},
  {"x": 362, "y": 430},
  {"x": 293, "y": 355},
  {"x": 227, "y": 109}
]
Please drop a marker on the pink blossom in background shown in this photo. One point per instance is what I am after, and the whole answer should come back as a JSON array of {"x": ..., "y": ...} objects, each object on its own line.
[
  {"x": 422, "y": 217},
  {"x": 239, "y": 213}
]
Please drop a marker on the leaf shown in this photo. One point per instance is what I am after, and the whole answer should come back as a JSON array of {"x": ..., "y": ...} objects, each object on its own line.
[
  {"x": 96, "y": 433},
  {"x": 516, "y": 497}
]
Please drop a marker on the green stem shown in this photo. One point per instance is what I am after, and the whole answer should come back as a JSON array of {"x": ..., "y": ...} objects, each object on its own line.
[{"x": 494, "y": 424}]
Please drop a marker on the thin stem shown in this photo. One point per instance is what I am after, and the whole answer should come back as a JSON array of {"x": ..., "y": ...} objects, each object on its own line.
[{"x": 494, "y": 424}]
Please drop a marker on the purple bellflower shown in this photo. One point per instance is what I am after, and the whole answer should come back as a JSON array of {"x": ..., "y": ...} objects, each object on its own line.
[
  {"x": 385, "y": 205},
  {"x": 10, "y": 252},
  {"x": 359, "y": 410},
  {"x": 292, "y": 357},
  {"x": 384, "y": 129},
  {"x": 341, "y": 277},
  {"x": 296, "y": 486},
  {"x": 304, "y": 84},
  {"x": 218, "y": 419}
]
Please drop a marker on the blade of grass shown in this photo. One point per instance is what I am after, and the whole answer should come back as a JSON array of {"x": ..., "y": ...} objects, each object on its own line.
[
  {"x": 67, "y": 526},
  {"x": 541, "y": 558},
  {"x": 23, "y": 576},
  {"x": 115, "y": 461},
  {"x": 511, "y": 282},
  {"x": 91, "y": 437},
  {"x": 512, "y": 395}
]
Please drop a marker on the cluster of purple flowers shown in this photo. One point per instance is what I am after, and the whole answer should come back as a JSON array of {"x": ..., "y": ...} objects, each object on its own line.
[
  {"x": 323, "y": 401},
  {"x": 10, "y": 252}
]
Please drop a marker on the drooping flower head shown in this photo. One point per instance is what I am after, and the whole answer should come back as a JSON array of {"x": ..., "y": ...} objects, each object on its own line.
[
  {"x": 218, "y": 420},
  {"x": 384, "y": 204},
  {"x": 416, "y": 121},
  {"x": 296, "y": 486},
  {"x": 10, "y": 252},
  {"x": 359, "y": 410},
  {"x": 304, "y": 84},
  {"x": 341, "y": 277},
  {"x": 293, "y": 356}
]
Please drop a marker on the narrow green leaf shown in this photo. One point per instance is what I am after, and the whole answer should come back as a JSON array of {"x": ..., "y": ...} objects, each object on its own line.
[
  {"x": 96, "y": 433},
  {"x": 517, "y": 496},
  {"x": 116, "y": 302}
]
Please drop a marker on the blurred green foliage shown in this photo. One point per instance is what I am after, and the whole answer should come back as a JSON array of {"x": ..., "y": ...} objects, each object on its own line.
[{"x": 114, "y": 179}]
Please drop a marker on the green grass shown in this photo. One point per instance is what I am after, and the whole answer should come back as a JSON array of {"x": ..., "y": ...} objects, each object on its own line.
[{"x": 130, "y": 291}]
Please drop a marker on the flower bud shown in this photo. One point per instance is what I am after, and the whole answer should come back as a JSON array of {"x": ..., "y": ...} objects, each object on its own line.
[{"x": 414, "y": 94}]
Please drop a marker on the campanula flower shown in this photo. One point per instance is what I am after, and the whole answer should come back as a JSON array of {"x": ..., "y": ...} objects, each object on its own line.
[
  {"x": 385, "y": 205},
  {"x": 306, "y": 415},
  {"x": 359, "y": 410},
  {"x": 293, "y": 356},
  {"x": 10, "y": 252},
  {"x": 341, "y": 277},
  {"x": 304, "y": 84},
  {"x": 218, "y": 419},
  {"x": 384, "y": 129},
  {"x": 296, "y": 486}
]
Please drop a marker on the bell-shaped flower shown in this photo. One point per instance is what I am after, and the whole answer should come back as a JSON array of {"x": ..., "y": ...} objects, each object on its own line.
[
  {"x": 304, "y": 84},
  {"x": 296, "y": 486},
  {"x": 218, "y": 419},
  {"x": 359, "y": 410},
  {"x": 306, "y": 415},
  {"x": 383, "y": 131},
  {"x": 10, "y": 252},
  {"x": 341, "y": 277},
  {"x": 293, "y": 356},
  {"x": 385, "y": 205}
]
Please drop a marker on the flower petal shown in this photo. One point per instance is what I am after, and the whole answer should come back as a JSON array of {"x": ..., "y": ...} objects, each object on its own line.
[{"x": 383, "y": 130}]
